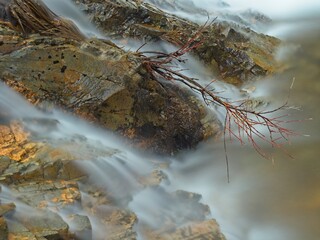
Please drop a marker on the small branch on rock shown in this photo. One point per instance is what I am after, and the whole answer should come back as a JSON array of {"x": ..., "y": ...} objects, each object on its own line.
[{"x": 241, "y": 122}]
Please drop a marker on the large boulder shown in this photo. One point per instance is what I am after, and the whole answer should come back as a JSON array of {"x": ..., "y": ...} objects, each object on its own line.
[
  {"x": 101, "y": 82},
  {"x": 236, "y": 52}
]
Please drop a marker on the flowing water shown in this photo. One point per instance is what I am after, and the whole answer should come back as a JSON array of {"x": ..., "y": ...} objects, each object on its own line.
[{"x": 263, "y": 201}]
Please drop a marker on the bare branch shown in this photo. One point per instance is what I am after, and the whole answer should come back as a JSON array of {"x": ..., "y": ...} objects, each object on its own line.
[{"x": 241, "y": 122}]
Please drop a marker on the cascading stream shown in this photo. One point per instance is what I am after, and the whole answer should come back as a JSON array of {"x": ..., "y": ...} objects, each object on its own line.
[{"x": 262, "y": 202}]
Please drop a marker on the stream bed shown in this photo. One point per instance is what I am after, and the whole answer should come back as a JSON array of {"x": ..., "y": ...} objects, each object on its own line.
[{"x": 264, "y": 200}]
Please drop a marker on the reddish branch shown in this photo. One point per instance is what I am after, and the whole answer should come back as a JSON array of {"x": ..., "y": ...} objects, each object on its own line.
[{"x": 241, "y": 122}]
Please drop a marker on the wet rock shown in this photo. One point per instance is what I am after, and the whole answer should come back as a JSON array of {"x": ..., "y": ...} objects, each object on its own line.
[
  {"x": 106, "y": 85},
  {"x": 24, "y": 159},
  {"x": 155, "y": 178},
  {"x": 4, "y": 163},
  {"x": 38, "y": 191},
  {"x": 186, "y": 219},
  {"x": 40, "y": 170},
  {"x": 48, "y": 225},
  {"x": 101, "y": 82},
  {"x": 13, "y": 142},
  {"x": 3, "y": 229},
  {"x": 190, "y": 209},
  {"x": 238, "y": 53},
  {"x": 6, "y": 208},
  {"x": 80, "y": 226},
  {"x": 4, "y": 11},
  {"x": 119, "y": 224},
  {"x": 208, "y": 229},
  {"x": 10, "y": 40},
  {"x": 116, "y": 222},
  {"x": 170, "y": 210},
  {"x": 52, "y": 227},
  {"x": 36, "y": 198},
  {"x": 18, "y": 231},
  {"x": 42, "y": 194}
]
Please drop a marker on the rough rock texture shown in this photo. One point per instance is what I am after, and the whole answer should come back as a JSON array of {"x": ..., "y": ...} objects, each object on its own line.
[
  {"x": 238, "y": 53},
  {"x": 22, "y": 159},
  {"x": 38, "y": 194},
  {"x": 50, "y": 226},
  {"x": 36, "y": 198},
  {"x": 207, "y": 229},
  {"x": 44, "y": 184},
  {"x": 3, "y": 229},
  {"x": 5, "y": 208},
  {"x": 13, "y": 143},
  {"x": 102, "y": 83},
  {"x": 39, "y": 176}
]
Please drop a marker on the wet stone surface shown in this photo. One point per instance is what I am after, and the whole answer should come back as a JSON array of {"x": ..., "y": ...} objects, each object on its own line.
[
  {"x": 234, "y": 52},
  {"x": 100, "y": 82},
  {"x": 104, "y": 84}
]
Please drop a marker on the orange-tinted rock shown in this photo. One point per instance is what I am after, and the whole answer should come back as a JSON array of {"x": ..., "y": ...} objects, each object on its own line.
[{"x": 106, "y": 85}]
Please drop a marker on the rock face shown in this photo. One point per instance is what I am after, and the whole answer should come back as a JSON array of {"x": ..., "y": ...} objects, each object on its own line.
[
  {"x": 237, "y": 53},
  {"x": 100, "y": 82},
  {"x": 46, "y": 185}
]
